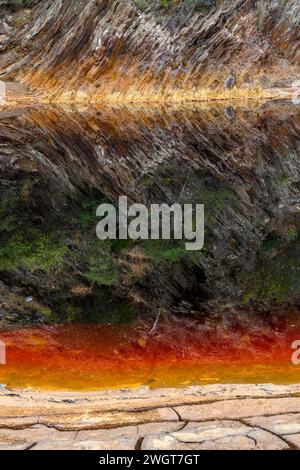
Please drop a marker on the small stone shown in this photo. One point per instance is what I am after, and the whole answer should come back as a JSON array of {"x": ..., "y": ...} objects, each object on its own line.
[
  {"x": 214, "y": 85},
  {"x": 229, "y": 112},
  {"x": 265, "y": 81},
  {"x": 230, "y": 82},
  {"x": 4, "y": 28}
]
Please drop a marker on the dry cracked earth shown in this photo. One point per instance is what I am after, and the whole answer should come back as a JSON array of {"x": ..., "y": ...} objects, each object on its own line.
[{"x": 248, "y": 417}]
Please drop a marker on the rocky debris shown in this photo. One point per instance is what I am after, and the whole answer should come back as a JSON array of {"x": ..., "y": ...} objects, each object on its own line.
[
  {"x": 15, "y": 311},
  {"x": 152, "y": 419},
  {"x": 4, "y": 28},
  {"x": 2, "y": 41},
  {"x": 9, "y": 58},
  {"x": 6, "y": 34}
]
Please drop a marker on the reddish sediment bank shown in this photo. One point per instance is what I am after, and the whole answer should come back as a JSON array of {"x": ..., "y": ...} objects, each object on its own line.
[{"x": 89, "y": 357}]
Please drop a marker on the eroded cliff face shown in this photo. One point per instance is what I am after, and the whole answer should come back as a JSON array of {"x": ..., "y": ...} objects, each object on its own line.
[
  {"x": 58, "y": 164},
  {"x": 130, "y": 50}
]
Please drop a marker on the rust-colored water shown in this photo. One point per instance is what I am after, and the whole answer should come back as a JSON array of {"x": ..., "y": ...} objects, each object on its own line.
[{"x": 81, "y": 357}]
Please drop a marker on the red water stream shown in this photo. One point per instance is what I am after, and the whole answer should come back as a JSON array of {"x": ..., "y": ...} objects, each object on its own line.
[{"x": 89, "y": 357}]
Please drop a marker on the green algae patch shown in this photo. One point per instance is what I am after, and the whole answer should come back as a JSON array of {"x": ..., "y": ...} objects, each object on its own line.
[
  {"x": 163, "y": 251},
  {"x": 37, "y": 252},
  {"x": 276, "y": 280},
  {"x": 98, "y": 263}
]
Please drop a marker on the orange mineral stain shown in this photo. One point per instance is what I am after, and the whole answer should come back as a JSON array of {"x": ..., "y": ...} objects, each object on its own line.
[{"x": 89, "y": 357}]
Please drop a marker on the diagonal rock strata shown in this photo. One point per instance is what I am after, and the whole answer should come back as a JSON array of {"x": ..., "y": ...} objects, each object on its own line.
[{"x": 110, "y": 50}]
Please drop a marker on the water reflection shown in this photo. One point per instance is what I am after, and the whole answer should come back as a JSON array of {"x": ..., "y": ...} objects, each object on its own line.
[{"x": 58, "y": 164}]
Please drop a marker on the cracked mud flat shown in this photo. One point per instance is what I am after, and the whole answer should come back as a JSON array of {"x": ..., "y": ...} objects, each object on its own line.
[{"x": 225, "y": 417}]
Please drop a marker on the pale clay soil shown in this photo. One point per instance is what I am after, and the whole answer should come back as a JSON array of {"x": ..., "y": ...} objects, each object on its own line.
[{"x": 258, "y": 417}]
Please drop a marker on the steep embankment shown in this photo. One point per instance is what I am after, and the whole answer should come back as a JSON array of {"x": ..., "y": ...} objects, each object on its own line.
[{"x": 152, "y": 50}]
